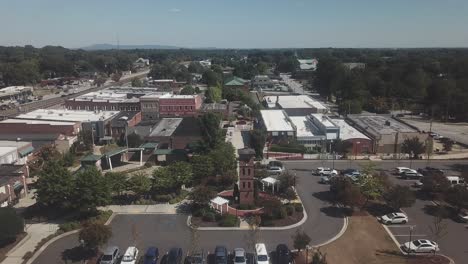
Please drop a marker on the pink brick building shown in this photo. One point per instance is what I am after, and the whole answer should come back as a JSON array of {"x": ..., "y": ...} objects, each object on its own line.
[{"x": 179, "y": 105}]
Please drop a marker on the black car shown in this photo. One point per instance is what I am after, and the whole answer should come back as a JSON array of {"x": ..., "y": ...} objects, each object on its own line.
[
  {"x": 174, "y": 256},
  {"x": 283, "y": 255},
  {"x": 197, "y": 257},
  {"x": 221, "y": 255},
  {"x": 429, "y": 171},
  {"x": 151, "y": 256}
]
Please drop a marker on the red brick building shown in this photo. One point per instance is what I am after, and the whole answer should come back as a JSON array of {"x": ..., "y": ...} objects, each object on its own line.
[
  {"x": 246, "y": 176},
  {"x": 179, "y": 105},
  {"x": 18, "y": 126},
  {"x": 12, "y": 183}
]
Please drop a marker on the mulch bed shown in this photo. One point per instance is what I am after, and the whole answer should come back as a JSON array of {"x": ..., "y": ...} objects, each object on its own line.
[
  {"x": 289, "y": 220},
  {"x": 4, "y": 250},
  {"x": 198, "y": 221}
]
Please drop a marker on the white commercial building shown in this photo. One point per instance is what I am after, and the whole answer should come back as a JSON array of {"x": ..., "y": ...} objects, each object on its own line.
[
  {"x": 296, "y": 105},
  {"x": 277, "y": 124},
  {"x": 68, "y": 115}
]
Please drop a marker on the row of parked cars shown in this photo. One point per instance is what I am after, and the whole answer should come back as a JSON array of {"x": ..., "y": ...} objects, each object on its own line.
[
  {"x": 326, "y": 174},
  {"x": 112, "y": 255}
]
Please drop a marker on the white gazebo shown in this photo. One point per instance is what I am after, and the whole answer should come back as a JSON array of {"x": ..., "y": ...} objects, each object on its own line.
[
  {"x": 218, "y": 203},
  {"x": 270, "y": 181}
]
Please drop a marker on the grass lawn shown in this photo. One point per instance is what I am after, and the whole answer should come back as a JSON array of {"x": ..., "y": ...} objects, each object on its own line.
[{"x": 366, "y": 241}]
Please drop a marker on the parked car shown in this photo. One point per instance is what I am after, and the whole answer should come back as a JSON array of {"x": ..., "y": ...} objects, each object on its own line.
[
  {"x": 221, "y": 255},
  {"x": 273, "y": 170},
  {"x": 411, "y": 175},
  {"x": 428, "y": 171},
  {"x": 283, "y": 254},
  {"x": 151, "y": 256},
  {"x": 463, "y": 216},
  {"x": 325, "y": 171},
  {"x": 239, "y": 256},
  {"x": 353, "y": 174},
  {"x": 418, "y": 184},
  {"x": 110, "y": 256},
  {"x": 455, "y": 180},
  {"x": 197, "y": 257},
  {"x": 130, "y": 256},
  {"x": 394, "y": 218},
  {"x": 325, "y": 179},
  {"x": 174, "y": 256},
  {"x": 261, "y": 254},
  {"x": 400, "y": 170},
  {"x": 420, "y": 246}
]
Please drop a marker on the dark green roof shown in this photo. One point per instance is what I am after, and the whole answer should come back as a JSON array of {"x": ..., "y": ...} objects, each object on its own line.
[
  {"x": 26, "y": 151},
  {"x": 91, "y": 157},
  {"x": 149, "y": 145},
  {"x": 235, "y": 81},
  {"x": 116, "y": 151}
]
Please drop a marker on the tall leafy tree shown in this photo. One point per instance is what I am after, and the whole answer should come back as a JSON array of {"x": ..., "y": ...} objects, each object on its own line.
[
  {"x": 413, "y": 147},
  {"x": 91, "y": 190},
  {"x": 202, "y": 167},
  {"x": 139, "y": 183},
  {"x": 55, "y": 186},
  {"x": 117, "y": 182},
  {"x": 12, "y": 225},
  {"x": 95, "y": 234},
  {"x": 224, "y": 158},
  {"x": 210, "y": 125},
  {"x": 399, "y": 196}
]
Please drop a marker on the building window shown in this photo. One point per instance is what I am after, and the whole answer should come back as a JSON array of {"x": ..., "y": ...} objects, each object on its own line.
[
  {"x": 243, "y": 185},
  {"x": 248, "y": 172},
  {"x": 248, "y": 185},
  {"x": 243, "y": 171}
]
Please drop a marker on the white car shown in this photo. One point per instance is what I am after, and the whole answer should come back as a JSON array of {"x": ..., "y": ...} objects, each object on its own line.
[
  {"x": 274, "y": 170},
  {"x": 420, "y": 246},
  {"x": 261, "y": 254},
  {"x": 130, "y": 256},
  {"x": 394, "y": 218},
  {"x": 239, "y": 256},
  {"x": 463, "y": 216},
  {"x": 325, "y": 179},
  {"x": 400, "y": 170},
  {"x": 325, "y": 171}
]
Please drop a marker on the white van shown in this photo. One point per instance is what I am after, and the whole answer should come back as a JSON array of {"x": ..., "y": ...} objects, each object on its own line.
[
  {"x": 455, "y": 180},
  {"x": 261, "y": 254}
]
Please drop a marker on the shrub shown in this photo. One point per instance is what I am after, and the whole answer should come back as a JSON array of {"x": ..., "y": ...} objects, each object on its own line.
[
  {"x": 163, "y": 198},
  {"x": 69, "y": 226},
  {"x": 298, "y": 207},
  {"x": 281, "y": 214},
  {"x": 229, "y": 221},
  {"x": 28, "y": 255},
  {"x": 218, "y": 217},
  {"x": 246, "y": 207},
  {"x": 290, "y": 209},
  {"x": 209, "y": 217}
]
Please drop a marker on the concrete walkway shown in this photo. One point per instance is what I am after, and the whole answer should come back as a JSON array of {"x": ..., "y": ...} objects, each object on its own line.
[
  {"x": 143, "y": 209},
  {"x": 36, "y": 232}
]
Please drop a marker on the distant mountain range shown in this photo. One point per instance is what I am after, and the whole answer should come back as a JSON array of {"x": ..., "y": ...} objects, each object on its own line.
[{"x": 127, "y": 47}]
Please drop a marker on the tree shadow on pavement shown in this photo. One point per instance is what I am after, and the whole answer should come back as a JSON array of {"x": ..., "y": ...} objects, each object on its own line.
[
  {"x": 378, "y": 209},
  {"x": 77, "y": 254},
  {"x": 183, "y": 208},
  {"x": 337, "y": 212},
  {"x": 325, "y": 196}
]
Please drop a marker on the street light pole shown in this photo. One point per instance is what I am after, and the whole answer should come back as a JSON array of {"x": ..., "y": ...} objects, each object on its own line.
[{"x": 410, "y": 238}]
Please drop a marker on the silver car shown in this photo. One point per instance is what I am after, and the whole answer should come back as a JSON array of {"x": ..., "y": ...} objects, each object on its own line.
[{"x": 239, "y": 256}]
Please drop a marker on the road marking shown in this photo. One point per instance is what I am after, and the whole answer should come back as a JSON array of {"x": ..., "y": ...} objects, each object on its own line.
[
  {"x": 408, "y": 235},
  {"x": 399, "y": 226}
]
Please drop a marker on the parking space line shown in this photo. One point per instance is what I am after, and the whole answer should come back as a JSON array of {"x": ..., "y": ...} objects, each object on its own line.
[
  {"x": 409, "y": 235},
  {"x": 399, "y": 226}
]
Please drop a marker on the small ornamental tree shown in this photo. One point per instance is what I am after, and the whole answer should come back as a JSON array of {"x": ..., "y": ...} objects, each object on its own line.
[
  {"x": 300, "y": 240},
  {"x": 399, "y": 196},
  {"x": 94, "y": 235}
]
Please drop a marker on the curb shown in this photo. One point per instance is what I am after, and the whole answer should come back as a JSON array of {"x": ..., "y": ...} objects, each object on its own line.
[
  {"x": 41, "y": 249},
  {"x": 26, "y": 238},
  {"x": 342, "y": 231}
]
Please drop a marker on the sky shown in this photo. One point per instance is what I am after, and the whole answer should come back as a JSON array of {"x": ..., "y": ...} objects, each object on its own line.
[{"x": 236, "y": 23}]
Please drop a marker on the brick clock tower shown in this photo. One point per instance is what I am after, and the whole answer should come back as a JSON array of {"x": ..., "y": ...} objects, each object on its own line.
[{"x": 246, "y": 176}]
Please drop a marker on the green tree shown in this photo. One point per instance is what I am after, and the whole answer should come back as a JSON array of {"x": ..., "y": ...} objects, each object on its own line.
[
  {"x": 345, "y": 193},
  {"x": 187, "y": 90},
  {"x": 100, "y": 80},
  {"x": 457, "y": 196},
  {"x": 202, "y": 195},
  {"x": 182, "y": 172},
  {"x": 211, "y": 78},
  {"x": 257, "y": 140},
  {"x": 12, "y": 225},
  {"x": 202, "y": 167},
  {"x": 213, "y": 94},
  {"x": 210, "y": 126},
  {"x": 195, "y": 67},
  {"x": 95, "y": 234},
  {"x": 435, "y": 184},
  {"x": 371, "y": 187},
  {"x": 117, "y": 182},
  {"x": 341, "y": 147},
  {"x": 139, "y": 183},
  {"x": 163, "y": 182},
  {"x": 134, "y": 140},
  {"x": 90, "y": 190},
  {"x": 136, "y": 82},
  {"x": 300, "y": 240},
  {"x": 55, "y": 186},
  {"x": 116, "y": 76},
  {"x": 224, "y": 158},
  {"x": 413, "y": 147},
  {"x": 286, "y": 180},
  {"x": 399, "y": 196}
]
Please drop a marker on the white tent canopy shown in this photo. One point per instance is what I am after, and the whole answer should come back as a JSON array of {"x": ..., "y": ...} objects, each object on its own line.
[
  {"x": 270, "y": 181},
  {"x": 218, "y": 202}
]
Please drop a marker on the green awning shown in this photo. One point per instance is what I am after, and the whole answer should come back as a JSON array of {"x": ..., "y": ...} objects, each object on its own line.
[
  {"x": 149, "y": 145},
  {"x": 26, "y": 151},
  {"x": 162, "y": 151}
]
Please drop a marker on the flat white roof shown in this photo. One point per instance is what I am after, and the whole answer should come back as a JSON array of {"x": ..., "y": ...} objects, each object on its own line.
[
  {"x": 68, "y": 115},
  {"x": 324, "y": 120},
  {"x": 276, "y": 120},
  {"x": 347, "y": 131},
  {"x": 154, "y": 95},
  {"x": 178, "y": 96},
  {"x": 303, "y": 126},
  {"x": 6, "y": 150},
  {"x": 295, "y": 101},
  {"x": 35, "y": 121}
]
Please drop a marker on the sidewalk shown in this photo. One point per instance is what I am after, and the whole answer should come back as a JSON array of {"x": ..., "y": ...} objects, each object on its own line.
[
  {"x": 36, "y": 232},
  {"x": 143, "y": 209}
]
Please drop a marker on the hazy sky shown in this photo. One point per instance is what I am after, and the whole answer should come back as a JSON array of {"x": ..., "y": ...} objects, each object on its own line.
[{"x": 236, "y": 23}]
